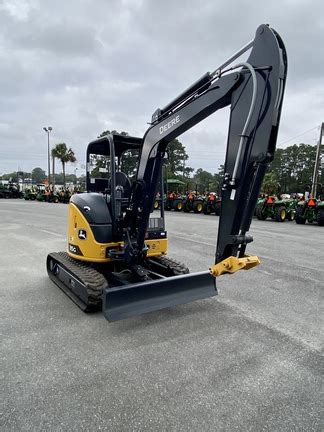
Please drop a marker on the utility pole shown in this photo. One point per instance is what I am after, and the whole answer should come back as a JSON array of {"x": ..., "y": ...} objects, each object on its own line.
[
  {"x": 317, "y": 161},
  {"x": 53, "y": 172},
  {"x": 48, "y": 130}
]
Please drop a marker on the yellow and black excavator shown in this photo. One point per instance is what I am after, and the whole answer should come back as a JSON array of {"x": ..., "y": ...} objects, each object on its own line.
[{"x": 116, "y": 257}]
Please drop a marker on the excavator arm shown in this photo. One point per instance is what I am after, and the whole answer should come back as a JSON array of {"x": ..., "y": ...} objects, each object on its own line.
[{"x": 254, "y": 92}]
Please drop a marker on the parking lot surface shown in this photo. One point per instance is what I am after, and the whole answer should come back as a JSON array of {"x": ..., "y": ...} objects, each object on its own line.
[{"x": 249, "y": 359}]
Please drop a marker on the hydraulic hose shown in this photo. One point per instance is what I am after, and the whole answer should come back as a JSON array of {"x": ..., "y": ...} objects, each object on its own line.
[{"x": 247, "y": 122}]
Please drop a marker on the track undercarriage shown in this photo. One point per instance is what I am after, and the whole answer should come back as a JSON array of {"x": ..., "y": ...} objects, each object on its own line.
[{"x": 85, "y": 283}]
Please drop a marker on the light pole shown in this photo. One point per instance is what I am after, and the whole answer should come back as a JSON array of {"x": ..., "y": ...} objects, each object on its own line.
[{"x": 48, "y": 130}]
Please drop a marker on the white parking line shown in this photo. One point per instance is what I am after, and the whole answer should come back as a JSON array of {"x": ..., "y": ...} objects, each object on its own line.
[
  {"x": 190, "y": 238},
  {"x": 261, "y": 256},
  {"x": 52, "y": 233}
]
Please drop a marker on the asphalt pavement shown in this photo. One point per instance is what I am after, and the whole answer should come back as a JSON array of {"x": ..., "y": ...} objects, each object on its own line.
[{"x": 250, "y": 359}]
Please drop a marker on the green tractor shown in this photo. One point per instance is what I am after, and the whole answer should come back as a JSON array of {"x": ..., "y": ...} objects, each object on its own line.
[
  {"x": 4, "y": 191},
  {"x": 276, "y": 209},
  {"x": 10, "y": 190},
  {"x": 310, "y": 210},
  {"x": 63, "y": 196},
  {"x": 47, "y": 196},
  {"x": 157, "y": 202},
  {"x": 193, "y": 202},
  {"x": 291, "y": 204},
  {"x": 174, "y": 201},
  {"x": 212, "y": 204},
  {"x": 173, "y": 196},
  {"x": 30, "y": 194}
]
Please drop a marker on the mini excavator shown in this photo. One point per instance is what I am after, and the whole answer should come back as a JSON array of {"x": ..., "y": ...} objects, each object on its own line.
[{"x": 116, "y": 257}]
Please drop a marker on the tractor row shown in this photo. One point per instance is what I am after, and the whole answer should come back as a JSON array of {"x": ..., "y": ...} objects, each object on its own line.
[
  {"x": 191, "y": 202},
  {"x": 299, "y": 209},
  {"x": 39, "y": 192},
  {"x": 44, "y": 194},
  {"x": 10, "y": 190}
]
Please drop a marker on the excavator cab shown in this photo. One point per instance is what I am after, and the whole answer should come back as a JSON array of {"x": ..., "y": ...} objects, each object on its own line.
[
  {"x": 111, "y": 161},
  {"x": 116, "y": 256},
  {"x": 112, "y": 156},
  {"x": 96, "y": 218}
]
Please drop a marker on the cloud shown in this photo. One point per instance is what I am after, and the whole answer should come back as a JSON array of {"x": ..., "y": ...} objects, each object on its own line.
[{"x": 83, "y": 67}]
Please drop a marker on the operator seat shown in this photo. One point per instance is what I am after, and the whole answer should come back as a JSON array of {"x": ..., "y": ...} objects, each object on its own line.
[
  {"x": 123, "y": 180},
  {"x": 123, "y": 190}
]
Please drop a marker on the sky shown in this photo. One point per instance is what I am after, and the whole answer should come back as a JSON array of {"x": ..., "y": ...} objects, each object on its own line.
[{"x": 84, "y": 66}]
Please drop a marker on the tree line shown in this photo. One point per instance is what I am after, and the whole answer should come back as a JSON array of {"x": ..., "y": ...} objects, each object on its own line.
[
  {"x": 38, "y": 175},
  {"x": 61, "y": 152},
  {"x": 290, "y": 171}
]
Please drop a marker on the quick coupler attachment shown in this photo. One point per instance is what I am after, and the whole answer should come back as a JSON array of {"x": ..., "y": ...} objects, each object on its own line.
[
  {"x": 232, "y": 264},
  {"x": 135, "y": 299}
]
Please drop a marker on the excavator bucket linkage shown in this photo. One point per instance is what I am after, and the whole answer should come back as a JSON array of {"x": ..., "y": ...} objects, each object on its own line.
[{"x": 233, "y": 264}]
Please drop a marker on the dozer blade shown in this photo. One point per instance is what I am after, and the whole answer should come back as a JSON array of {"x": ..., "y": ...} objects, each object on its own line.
[{"x": 139, "y": 298}]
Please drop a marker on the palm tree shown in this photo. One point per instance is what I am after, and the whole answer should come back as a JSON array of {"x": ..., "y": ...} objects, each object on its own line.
[{"x": 65, "y": 155}]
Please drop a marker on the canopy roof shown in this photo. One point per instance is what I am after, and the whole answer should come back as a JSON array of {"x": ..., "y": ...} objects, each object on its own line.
[{"x": 175, "y": 181}]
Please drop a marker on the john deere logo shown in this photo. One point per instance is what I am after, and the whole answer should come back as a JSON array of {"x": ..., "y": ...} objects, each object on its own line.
[{"x": 82, "y": 234}]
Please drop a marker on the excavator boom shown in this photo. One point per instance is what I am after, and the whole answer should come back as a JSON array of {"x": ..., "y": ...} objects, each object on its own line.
[{"x": 254, "y": 91}]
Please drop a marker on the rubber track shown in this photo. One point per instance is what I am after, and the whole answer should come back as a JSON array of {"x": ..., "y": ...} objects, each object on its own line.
[
  {"x": 91, "y": 278},
  {"x": 176, "y": 267}
]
